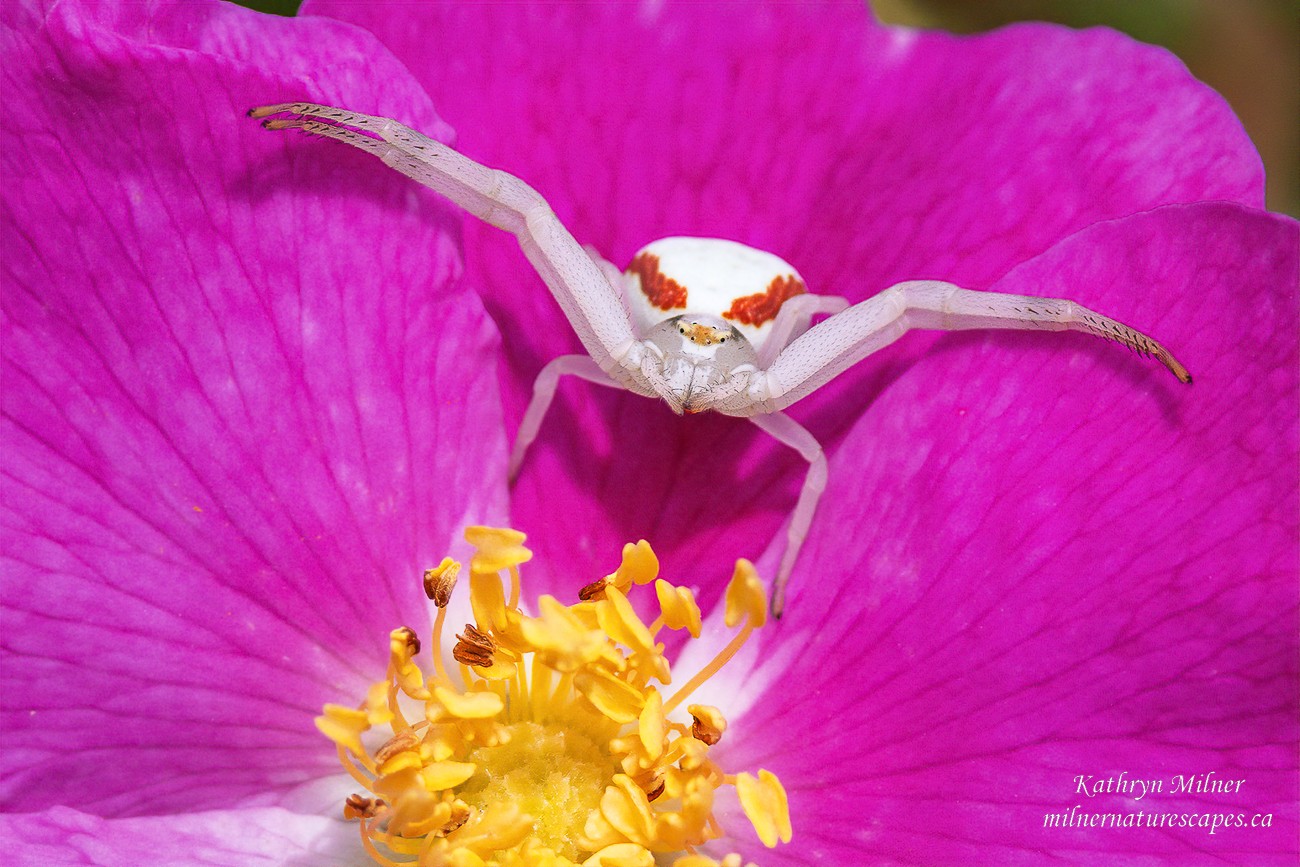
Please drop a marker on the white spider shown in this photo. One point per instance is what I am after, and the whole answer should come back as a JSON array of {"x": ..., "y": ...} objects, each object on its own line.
[{"x": 703, "y": 323}]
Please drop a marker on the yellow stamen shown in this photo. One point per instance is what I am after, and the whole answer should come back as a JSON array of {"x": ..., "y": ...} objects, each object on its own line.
[
  {"x": 515, "y": 587},
  {"x": 694, "y": 860},
  {"x": 498, "y": 549},
  {"x": 678, "y": 607},
  {"x": 487, "y": 601},
  {"x": 621, "y": 855},
  {"x": 732, "y": 648},
  {"x": 556, "y": 748},
  {"x": 365, "y": 826},
  {"x": 745, "y": 599},
  {"x": 764, "y": 801},
  {"x": 439, "y": 665},
  {"x": 639, "y": 566},
  {"x": 350, "y": 765},
  {"x": 615, "y": 615}
]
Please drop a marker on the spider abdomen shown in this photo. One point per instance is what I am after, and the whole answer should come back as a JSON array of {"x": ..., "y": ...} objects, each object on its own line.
[{"x": 742, "y": 285}]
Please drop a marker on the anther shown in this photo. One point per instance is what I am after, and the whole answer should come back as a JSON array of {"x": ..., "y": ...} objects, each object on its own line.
[
  {"x": 460, "y": 813},
  {"x": 475, "y": 647},
  {"x": 361, "y": 807},
  {"x": 398, "y": 743},
  {"x": 407, "y": 634},
  {"x": 439, "y": 581},
  {"x": 651, "y": 781},
  {"x": 709, "y": 723},
  {"x": 593, "y": 591}
]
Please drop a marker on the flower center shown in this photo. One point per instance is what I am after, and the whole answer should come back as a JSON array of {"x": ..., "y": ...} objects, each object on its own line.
[
  {"x": 555, "y": 746},
  {"x": 554, "y": 774}
]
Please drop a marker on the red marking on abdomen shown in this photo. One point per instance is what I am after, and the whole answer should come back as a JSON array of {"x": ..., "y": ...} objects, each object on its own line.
[
  {"x": 662, "y": 292},
  {"x": 762, "y": 307}
]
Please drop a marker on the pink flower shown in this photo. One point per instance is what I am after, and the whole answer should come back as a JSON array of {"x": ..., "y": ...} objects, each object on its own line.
[{"x": 248, "y": 394}]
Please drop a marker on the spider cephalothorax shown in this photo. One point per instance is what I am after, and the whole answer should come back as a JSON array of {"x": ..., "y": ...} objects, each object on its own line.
[
  {"x": 703, "y": 323},
  {"x": 700, "y": 359}
]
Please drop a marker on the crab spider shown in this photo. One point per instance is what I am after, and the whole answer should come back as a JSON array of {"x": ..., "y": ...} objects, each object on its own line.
[{"x": 703, "y": 323}]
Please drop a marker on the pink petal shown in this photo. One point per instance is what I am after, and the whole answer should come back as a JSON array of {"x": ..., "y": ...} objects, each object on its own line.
[
  {"x": 1039, "y": 559},
  {"x": 61, "y": 837},
  {"x": 244, "y": 405},
  {"x": 863, "y": 155}
]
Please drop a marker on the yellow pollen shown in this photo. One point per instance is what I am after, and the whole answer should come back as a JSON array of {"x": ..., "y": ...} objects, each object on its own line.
[
  {"x": 555, "y": 747},
  {"x": 551, "y": 773}
]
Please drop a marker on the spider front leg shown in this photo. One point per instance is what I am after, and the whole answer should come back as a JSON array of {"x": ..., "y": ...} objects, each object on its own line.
[
  {"x": 591, "y": 303},
  {"x": 832, "y": 346},
  {"x": 611, "y": 271}
]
